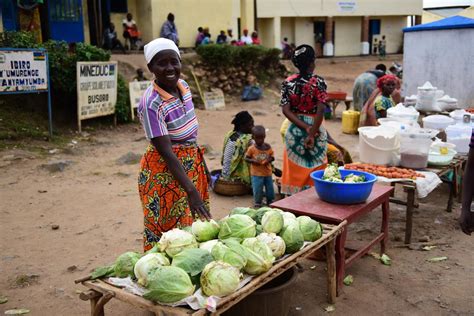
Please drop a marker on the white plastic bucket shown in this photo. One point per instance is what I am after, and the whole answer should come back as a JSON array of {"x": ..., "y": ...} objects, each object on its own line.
[
  {"x": 379, "y": 145},
  {"x": 460, "y": 135}
]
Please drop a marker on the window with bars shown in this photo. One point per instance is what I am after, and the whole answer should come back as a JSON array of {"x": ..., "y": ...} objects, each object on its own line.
[{"x": 65, "y": 10}]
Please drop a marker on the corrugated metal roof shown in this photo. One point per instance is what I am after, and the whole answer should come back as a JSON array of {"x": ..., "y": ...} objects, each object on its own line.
[{"x": 454, "y": 22}]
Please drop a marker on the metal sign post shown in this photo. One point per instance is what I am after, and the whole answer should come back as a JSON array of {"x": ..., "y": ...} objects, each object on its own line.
[{"x": 24, "y": 70}]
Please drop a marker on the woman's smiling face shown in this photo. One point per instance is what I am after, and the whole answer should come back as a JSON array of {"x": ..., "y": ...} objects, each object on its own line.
[{"x": 166, "y": 66}]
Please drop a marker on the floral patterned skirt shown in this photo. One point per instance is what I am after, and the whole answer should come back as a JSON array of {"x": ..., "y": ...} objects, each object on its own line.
[{"x": 165, "y": 203}]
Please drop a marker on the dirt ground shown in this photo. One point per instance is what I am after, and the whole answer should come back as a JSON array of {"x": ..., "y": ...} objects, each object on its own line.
[{"x": 94, "y": 202}]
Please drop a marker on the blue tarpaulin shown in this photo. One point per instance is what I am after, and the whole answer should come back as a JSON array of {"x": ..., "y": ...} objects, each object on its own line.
[{"x": 454, "y": 22}]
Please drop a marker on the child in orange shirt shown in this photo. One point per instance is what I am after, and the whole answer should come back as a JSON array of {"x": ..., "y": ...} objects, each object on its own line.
[{"x": 260, "y": 156}]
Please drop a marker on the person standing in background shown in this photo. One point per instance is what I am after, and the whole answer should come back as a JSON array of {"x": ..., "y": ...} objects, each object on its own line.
[
  {"x": 382, "y": 46},
  {"x": 169, "y": 30},
  {"x": 130, "y": 30}
]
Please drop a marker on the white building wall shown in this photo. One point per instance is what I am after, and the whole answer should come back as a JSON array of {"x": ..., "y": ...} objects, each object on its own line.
[
  {"x": 443, "y": 57},
  {"x": 391, "y": 27},
  {"x": 288, "y": 29},
  {"x": 310, "y": 8},
  {"x": 304, "y": 32},
  {"x": 347, "y": 36}
]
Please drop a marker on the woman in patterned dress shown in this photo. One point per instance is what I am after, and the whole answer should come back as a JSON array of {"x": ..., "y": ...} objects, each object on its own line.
[
  {"x": 173, "y": 178},
  {"x": 303, "y": 100}
]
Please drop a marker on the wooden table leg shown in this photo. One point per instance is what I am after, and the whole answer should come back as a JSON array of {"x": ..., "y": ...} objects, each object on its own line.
[
  {"x": 99, "y": 304},
  {"x": 331, "y": 274},
  {"x": 384, "y": 230},
  {"x": 410, "y": 190},
  {"x": 340, "y": 258}
]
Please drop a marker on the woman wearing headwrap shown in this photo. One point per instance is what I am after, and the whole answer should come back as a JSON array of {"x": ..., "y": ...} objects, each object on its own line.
[
  {"x": 236, "y": 143},
  {"x": 303, "y": 100},
  {"x": 173, "y": 178},
  {"x": 380, "y": 101}
]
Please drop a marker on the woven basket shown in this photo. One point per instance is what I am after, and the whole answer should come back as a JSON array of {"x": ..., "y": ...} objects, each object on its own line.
[{"x": 231, "y": 188}]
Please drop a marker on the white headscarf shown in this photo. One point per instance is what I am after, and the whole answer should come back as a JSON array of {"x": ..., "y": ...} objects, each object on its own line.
[{"x": 156, "y": 46}]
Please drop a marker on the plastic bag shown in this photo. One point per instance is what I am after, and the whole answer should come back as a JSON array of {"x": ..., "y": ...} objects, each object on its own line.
[{"x": 251, "y": 93}]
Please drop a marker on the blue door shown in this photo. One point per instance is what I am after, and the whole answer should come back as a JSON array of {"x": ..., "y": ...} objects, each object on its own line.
[
  {"x": 65, "y": 20},
  {"x": 8, "y": 13},
  {"x": 374, "y": 29}
]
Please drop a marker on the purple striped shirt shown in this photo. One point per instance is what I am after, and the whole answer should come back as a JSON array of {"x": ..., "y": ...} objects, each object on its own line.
[{"x": 163, "y": 114}]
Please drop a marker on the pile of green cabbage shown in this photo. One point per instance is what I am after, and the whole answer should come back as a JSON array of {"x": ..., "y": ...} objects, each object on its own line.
[{"x": 212, "y": 256}]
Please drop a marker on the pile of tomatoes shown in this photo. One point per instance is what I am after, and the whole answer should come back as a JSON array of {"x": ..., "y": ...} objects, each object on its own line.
[{"x": 384, "y": 171}]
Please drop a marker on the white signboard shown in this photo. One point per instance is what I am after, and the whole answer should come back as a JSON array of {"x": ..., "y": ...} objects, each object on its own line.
[
  {"x": 136, "y": 89},
  {"x": 96, "y": 89},
  {"x": 214, "y": 100},
  {"x": 346, "y": 6},
  {"x": 23, "y": 71}
]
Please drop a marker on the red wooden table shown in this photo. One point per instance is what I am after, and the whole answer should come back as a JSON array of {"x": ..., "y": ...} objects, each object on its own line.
[{"x": 308, "y": 203}]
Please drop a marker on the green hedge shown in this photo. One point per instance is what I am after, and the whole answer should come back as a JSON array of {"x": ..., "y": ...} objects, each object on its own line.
[{"x": 62, "y": 65}]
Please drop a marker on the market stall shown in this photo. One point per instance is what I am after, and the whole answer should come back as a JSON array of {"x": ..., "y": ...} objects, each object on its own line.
[{"x": 102, "y": 290}]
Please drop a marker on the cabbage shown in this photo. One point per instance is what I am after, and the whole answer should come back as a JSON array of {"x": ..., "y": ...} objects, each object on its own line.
[
  {"x": 352, "y": 178},
  {"x": 272, "y": 222},
  {"x": 146, "y": 264},
  {"x": 239, "y": 226},
  {"x": 125, "y": 263},
  {"x": 208, "y": 245},
  {"x": 258, "y": 229},
  {"x": 293, "y": 238},
  {"x": 244, "y": 211},
  {"x": 188, "y": 229},
  {"x": 274, "y": 242},
  {"x": 288, "y": 218},
  {"x": 192, "y": 261},
  {"x": 259, "y": 256},
  {"x": 333, "y": 179},
  {"x": 204, "y": 231},
  {"x": 331, "y": 171},
  {"x": 168, "y": 284},
  {"x": 223, "y": 253},
  {"x": 310, "y": 228},
  {"x": 176, "y": 240},
  {"x": 219, "y": 279},
  {"x": 260, "y": 212}
]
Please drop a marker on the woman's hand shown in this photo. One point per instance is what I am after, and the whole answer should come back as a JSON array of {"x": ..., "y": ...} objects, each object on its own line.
[{"x": 197, "y": 206}]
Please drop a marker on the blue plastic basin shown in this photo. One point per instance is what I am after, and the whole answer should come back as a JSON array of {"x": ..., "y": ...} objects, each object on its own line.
[{"x": 343, "y": 193}]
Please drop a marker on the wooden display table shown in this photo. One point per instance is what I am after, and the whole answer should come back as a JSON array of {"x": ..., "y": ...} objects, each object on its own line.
[
  {"x": 100, "y": 292},
  {"x": 308, "y": 203},
  {"x": 455, "y": 186}
]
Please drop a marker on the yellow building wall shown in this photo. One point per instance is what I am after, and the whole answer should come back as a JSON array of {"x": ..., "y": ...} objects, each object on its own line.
[
  {"x": 288, "y": 29},
  {"x": 428, "y": 17},
  {"x": 391, "y": 27},
  {"x": 347, "y": 36},
  {"x": 304, "y": 33},
  {"x": 266, "y": 31},
  {"x": 311, "y": 8},
  {"x": 145, "y": 22},
  {"x": 468, "y": 13},
  {"x": 189, "y": 15}
]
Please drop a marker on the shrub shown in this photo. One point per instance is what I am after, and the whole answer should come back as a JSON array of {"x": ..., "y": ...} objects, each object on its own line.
[{"x": 122, "y": 107}]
